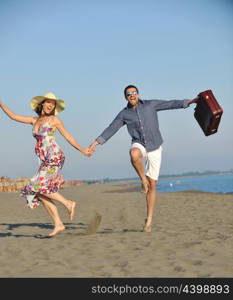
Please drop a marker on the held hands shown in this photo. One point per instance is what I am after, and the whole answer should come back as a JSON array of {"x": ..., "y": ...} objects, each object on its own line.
[
  {"x": 87, "y": 152},
  {"x": 90, "y": 150},
  {"x": 92, "y": 146}
]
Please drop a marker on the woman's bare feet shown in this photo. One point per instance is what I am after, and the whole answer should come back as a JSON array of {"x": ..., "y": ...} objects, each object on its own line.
[
  {"x": 71, "y": 210},
  {"x": 57, "y": 229}
]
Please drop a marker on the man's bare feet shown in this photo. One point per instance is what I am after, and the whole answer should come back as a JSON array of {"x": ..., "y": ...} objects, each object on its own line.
[
  {"x": 145, "y": 186},
  {"x": 56, "y": 230},
  {"x": 72, "y": 210},
  {"x": 147, "y": 227}
]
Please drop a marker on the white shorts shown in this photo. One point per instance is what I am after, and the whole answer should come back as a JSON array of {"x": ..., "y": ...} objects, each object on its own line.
[{"x": 152, "y": 160}]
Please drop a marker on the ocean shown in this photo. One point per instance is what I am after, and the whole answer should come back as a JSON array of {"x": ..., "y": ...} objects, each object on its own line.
[{"x": 207, "y": 183}]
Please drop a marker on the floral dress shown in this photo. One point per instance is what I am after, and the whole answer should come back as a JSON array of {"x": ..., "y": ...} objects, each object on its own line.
[{"x": 47, "y": 179}]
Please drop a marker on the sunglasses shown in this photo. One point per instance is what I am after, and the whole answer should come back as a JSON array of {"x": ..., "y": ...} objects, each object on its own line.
[{"x": 131, "y": 93}]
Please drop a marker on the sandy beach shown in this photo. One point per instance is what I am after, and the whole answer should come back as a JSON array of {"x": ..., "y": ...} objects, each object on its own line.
[{"x": 192, "y": 235}]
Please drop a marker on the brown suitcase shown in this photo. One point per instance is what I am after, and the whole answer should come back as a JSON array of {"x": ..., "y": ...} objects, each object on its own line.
[{"x": 208, "y": 112}]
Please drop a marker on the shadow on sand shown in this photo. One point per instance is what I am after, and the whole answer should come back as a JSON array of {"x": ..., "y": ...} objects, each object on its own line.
[
  {"x": 11, "y": 227},
  {"x": 88, "y": 229}
]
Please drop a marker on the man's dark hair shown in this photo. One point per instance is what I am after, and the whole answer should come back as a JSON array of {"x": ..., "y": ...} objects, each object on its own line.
[{"x": 129, "y": 87}]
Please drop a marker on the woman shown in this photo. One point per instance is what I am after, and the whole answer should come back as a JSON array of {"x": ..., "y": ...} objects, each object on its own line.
[{"x": 45, "y": 184}]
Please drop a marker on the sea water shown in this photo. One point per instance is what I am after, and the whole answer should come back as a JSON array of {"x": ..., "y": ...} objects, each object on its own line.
[{"x": 206, "y": 183}]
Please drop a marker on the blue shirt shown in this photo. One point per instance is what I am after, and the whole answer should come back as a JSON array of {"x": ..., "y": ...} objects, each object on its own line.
[{"x": 142, "y": 122}]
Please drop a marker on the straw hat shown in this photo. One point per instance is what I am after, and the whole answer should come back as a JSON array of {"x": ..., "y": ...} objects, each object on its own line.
[{"x": 60, "y": 104}]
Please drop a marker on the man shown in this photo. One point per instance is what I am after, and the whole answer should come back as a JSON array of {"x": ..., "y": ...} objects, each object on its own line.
[{"x": 140, "y": 117}]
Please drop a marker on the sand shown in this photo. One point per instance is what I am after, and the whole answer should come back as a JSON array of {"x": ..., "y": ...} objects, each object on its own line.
[{"x": 192, "y": 235}]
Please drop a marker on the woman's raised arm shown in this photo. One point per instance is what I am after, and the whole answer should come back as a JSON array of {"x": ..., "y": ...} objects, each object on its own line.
[{"x": 15, "y": 117}]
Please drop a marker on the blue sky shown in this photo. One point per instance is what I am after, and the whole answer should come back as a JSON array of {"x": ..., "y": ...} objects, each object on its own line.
[{"x": 86, "y": 52}]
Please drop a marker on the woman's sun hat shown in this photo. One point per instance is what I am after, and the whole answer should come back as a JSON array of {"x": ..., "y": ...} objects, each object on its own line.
[{"x": 60, "y": 104}]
